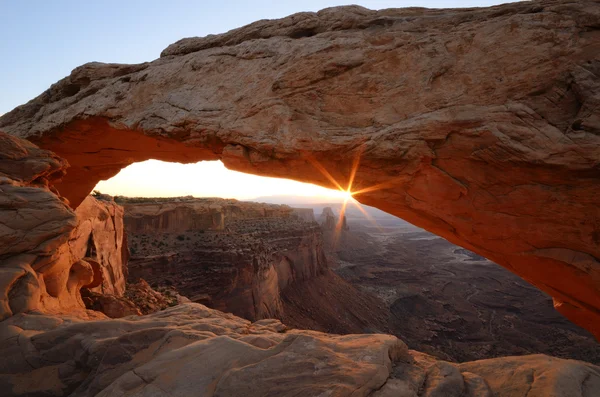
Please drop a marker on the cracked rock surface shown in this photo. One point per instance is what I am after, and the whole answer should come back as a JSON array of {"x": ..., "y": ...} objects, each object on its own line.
[{"x": 191, "y": 350}]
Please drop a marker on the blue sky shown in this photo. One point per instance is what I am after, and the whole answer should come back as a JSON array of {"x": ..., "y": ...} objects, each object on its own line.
[{"x": 42, "y": 41}]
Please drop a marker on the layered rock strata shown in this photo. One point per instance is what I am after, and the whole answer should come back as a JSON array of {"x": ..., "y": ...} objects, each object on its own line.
[
  {"x": 100, "y": 240},
  {"x": 241, "y": 265},
  {"x": 178, "y": 214},
  {"x": 480, "y": 125}
]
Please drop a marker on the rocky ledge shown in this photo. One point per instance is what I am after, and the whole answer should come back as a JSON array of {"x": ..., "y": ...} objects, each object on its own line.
[{"x": 192, "y": 350}]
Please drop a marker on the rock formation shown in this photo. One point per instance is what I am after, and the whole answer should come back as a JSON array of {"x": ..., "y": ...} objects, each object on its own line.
[
  {"x": 100, "y": 240},
  {"x": 330, "y": 222},
  {"x": 49, "y": 252},
  {"x": 178, "y": 214},
  {"x": 37, "y": 271},
  {"x": 240, "y": 264},
  {"x": 305, "y": 214},
  {"x": 192, "y": 350},
  {"x": 480, "y": 125},
  {"x": 263, "y": 261}
]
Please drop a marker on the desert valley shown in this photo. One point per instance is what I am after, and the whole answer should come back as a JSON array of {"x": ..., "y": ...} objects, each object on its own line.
[{"x": 458, "y": 257}]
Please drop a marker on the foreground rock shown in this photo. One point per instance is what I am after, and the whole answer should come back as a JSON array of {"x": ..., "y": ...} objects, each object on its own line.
[
  {"x": 192, "y": 350},
  {"x": 480, "y": 125},
  {"x": 38, "y": 270},
  {"x": 48, "y": 252}
]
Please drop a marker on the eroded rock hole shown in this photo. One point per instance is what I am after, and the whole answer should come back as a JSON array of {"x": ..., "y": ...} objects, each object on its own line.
[{"x": 295, "y": 258}]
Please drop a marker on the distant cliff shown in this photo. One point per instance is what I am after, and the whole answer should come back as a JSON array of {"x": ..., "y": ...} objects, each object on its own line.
[
  {"x": 234, "y": 256},
  {"x": 146, "y": 215}
]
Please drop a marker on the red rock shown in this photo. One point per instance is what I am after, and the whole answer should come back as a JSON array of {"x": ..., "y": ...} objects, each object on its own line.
[{"x": 480, "y": 125}]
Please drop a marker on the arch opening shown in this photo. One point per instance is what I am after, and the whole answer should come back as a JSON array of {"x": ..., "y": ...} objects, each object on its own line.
[
  {"x": 173, "y": 243},
  {"x": 524, "y": 220}
]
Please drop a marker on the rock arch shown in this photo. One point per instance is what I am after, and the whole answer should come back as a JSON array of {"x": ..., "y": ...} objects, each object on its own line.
[{"x": 480, "y": 125}]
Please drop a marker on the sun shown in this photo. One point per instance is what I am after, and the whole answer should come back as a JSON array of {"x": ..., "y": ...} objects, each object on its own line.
[{"x": 346, "y": 195}]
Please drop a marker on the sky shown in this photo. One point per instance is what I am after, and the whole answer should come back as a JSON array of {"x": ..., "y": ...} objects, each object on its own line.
[{"x": 42, "y": 41}]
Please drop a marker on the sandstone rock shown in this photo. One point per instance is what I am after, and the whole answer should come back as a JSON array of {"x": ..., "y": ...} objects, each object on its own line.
[
  {"x": 192, "y": 350},
  {"x": 99, "y": 238},
  {"x": 27, "y": 164},
  {"x": 43, "y": 243},
  {"x": 536, "y": 375},
  {"x": 149, "y": 301},
  {"x": 36, "y": 224},
  {"x": 111, "y": 305},
  {"x": 178, "y": 214},
  {"x": 480, "y": 125}
]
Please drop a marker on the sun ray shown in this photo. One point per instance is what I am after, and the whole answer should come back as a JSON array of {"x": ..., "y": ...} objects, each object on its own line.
[
  {"x": 366, "y": 214},
  {"x": 378, "y": 186},
  {"x": 348, "y": 191},
  {"x": 340, "y": 224},
  {"x": 323, "y": 171},
  {"x": 355, "y": 164}
]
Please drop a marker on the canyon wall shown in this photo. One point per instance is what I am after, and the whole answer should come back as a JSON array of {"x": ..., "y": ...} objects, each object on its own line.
[
  {"x": 241, "y": 264},
  {"x": 145, "y": 215},
  {"x": 480, "y": 125}
]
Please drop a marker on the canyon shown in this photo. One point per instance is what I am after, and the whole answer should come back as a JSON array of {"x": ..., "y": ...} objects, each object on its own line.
[
  {"x": 254, "y": 260},
  {"x": 262, "y": 261},
  {"x": 478, "y": 125}
]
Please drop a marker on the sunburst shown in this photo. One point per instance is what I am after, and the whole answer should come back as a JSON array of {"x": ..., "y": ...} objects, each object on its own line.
[{"x": 348, "y": 193}]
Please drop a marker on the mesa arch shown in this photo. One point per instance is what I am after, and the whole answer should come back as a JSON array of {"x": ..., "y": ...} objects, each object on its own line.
[{"x": 480, "y": 125}]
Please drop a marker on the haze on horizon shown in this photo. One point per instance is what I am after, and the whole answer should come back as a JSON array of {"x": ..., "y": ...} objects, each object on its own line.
[
  {"x": 43, "y": 49},
  {"x": 154, "y": 178}
]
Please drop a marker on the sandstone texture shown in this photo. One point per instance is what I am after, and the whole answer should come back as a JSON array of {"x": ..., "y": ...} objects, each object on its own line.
[
  {"x": 48, "y": 252},
  {"x": 190, "y": 350},
  {"x": 480, "y": 125},
  {"x": 37, "y": 271},
  {"x": 100, "y": 239}
]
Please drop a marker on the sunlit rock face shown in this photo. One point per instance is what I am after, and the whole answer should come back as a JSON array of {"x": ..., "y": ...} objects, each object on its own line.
[
  {"x": 480, "y": 125},
  {"x": 99, "y": 239},
  {"x": 48, "y": 252}
]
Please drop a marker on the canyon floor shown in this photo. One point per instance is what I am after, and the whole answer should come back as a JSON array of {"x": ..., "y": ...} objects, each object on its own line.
[
  {"x": 450, "y": 302},
  {"x": 379, "y": 274}
]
